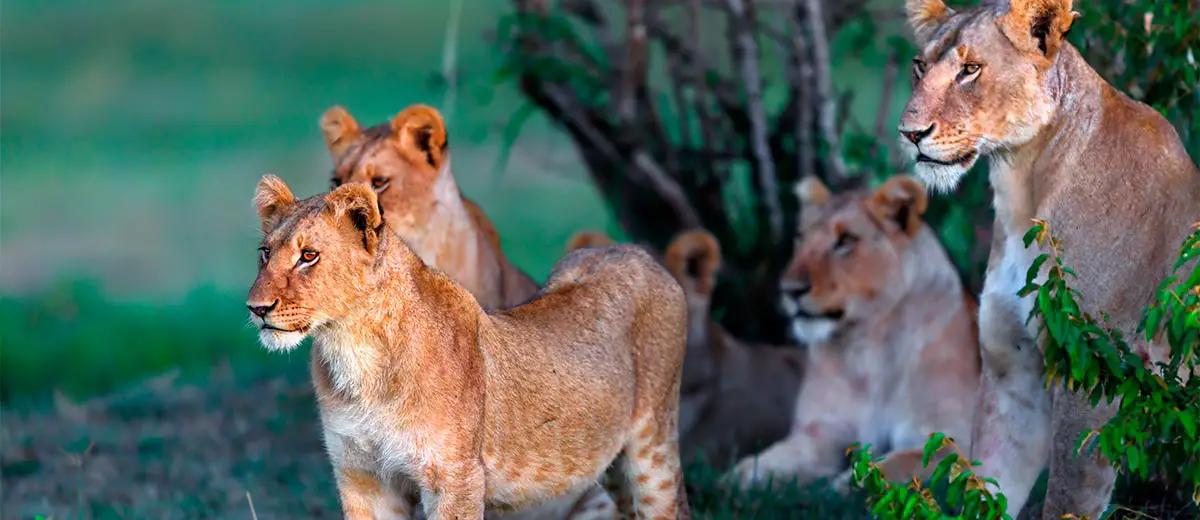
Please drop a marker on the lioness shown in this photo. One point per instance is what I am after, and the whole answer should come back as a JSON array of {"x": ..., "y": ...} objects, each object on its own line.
[
  {"x": 735, "y": 396},
  {"x": 892, "y": 350},
  {"x": 1110, "y": 176},
  {"x": 420, "y": 389},
  {"x": 407, "y": 162}
]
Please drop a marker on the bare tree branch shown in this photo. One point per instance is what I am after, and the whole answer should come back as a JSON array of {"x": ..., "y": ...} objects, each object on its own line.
[
  {"x": 802, "y": 86},
  {"x": 746, "y": 53},
  {"x": 824, "y": 99}
]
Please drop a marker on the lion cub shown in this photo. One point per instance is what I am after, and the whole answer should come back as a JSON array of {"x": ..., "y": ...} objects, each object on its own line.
[
  {"x": 423, "y": 392},
  {"x": 735, "y": 397},
  {"x": 892, "y": 349}
]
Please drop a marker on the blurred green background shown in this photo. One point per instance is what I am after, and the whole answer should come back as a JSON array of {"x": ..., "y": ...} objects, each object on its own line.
[{"x": 133, "y": 133}]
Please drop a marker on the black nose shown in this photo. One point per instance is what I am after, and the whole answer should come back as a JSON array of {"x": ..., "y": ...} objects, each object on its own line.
[
  {"x": 796, "y": 289},
  {"x": 916, "y": 135},
  {"x": 262, "y": 310}
]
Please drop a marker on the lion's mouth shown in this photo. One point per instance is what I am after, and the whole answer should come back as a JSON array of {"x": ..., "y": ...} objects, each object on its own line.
[
  {"x": 835, "y": 314},
  {"x": 268, "y": 326},
  {"x": 961, "y": 160}
]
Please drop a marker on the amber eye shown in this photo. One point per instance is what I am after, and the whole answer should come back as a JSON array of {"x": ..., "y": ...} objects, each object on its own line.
[
  {"x": 264, "y": 253},
  {"x": 379, "y": 182},
  {"x": 970, "y": 68},
  {"x": 308, "y": 256}
]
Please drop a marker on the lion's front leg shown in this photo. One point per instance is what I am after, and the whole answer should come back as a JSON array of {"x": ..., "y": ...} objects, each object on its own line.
[
  {"x": 1081, "y": 485},
  {"x": 810, "y": 452},
  {"x": 1011, "y": 430}
]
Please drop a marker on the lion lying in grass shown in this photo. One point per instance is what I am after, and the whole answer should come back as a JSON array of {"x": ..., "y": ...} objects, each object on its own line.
[
  {"x": 892, "y": 348},
  {"x": 424, "y": 393},
  {"x": 735, "y": 397}
]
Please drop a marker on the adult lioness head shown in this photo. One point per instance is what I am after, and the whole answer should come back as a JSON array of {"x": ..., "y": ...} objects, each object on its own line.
[
  {"x": 313, "y": 261},
  {"x": 982, "y": 81},
  {"x": 847, "y": 267}
]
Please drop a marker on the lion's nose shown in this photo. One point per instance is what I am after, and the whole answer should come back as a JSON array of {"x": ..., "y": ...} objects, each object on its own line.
[
  {"x": 262, "y": 310},
  {"x": 796, "y": 289},
  {"x": 916, "y": 135}
]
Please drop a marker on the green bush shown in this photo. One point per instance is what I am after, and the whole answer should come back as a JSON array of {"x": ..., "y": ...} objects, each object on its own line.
[{"x": 1156, "y": 423}]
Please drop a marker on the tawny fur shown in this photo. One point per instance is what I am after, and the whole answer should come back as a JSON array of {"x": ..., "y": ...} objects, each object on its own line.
[
  {"x": 736, "y": 396},
  {"x": 407, "y": 162},
  {"x": 892, "y": 350},
  {"x": 425, "y": 394},
  {"x": 1107, "y": 173}
]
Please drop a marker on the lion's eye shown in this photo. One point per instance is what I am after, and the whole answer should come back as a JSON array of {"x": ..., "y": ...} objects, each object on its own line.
[
  {"x": 264, "y": 253},
  {"x": 845, "y": 242},
  {"x": 308, "y": 256},
  {"x": 379, "y": 182},
  {"x": 970, "y": 69}
]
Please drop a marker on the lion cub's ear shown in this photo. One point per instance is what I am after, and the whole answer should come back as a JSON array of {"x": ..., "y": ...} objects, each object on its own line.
[
  {"x": 902, "y": 200},
  {"x": 584, "y": 239},
  {"x": 811, "y": 191},
  {"x": 421, "y": 136},
  {"x": 271, "y": 197},
  {"x": 695, "y": 255},
  {"x": 925, "y": 16},
  {"x": 1038, "y": 25},
  {"x": 340, "y": 131},
  {"x": 359, "y": 203}
]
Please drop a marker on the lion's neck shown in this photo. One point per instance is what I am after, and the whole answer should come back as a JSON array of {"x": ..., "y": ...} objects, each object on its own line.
[
  {"x": 359, "y": 350},
  {"x": 1025, "y": 176},
  {"x": 450, "y": 240}
]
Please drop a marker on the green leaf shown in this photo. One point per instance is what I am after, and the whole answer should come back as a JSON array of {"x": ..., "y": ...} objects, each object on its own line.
[
  {"x": 1035, "y": 268},
  {"x": 932, "y": 446},
  {"x": 1031, "y": 235}
]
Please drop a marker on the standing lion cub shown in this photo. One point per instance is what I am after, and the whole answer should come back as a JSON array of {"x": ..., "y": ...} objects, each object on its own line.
[{"x": 423, "y": 393}]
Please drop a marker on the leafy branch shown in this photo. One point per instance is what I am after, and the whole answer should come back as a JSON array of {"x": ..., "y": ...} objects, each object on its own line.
[{"x": 1156, "y": 422}]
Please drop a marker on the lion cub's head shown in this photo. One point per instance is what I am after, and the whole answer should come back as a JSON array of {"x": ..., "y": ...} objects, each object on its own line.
[
  {"x": 848, "y": 263},
  {"x": 315, "y": 259},
  {"x": 404, "y": 161},
  {"x": 982, "y": 81}
]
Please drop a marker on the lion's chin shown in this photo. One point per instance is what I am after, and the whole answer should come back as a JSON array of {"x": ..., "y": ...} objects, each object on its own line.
[
  {"x": 942, "y": 178},
  {"x": 812, "y": 330},
  {"x": 280, "y": 340}
]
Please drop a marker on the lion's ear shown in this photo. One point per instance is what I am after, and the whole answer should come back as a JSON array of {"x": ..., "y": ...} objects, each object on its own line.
[
  {"x": 925, "y": 16},
  {"x": 359, "y": 203},
  {"x": 810, "y": 191},
  {"x": 420, "y": 136},
  {"x": 902, "y": 200},
  {"x": 271, "y": 197},
  {"x": 584, "y": 239},
  {"x": 1038, "y": 25},
  {"x": 695, "y": 255},
  {"x": 340, "y": 131}
]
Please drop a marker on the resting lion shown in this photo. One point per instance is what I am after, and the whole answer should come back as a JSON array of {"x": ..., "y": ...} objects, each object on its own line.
[
  {"x": 892, "y": 351},
  {"x": 1109, "y": 175},
  {"x": 735, "y": 397},
  {"x": 407, "y": 162},
  {"x": 422, "y": 391}
]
